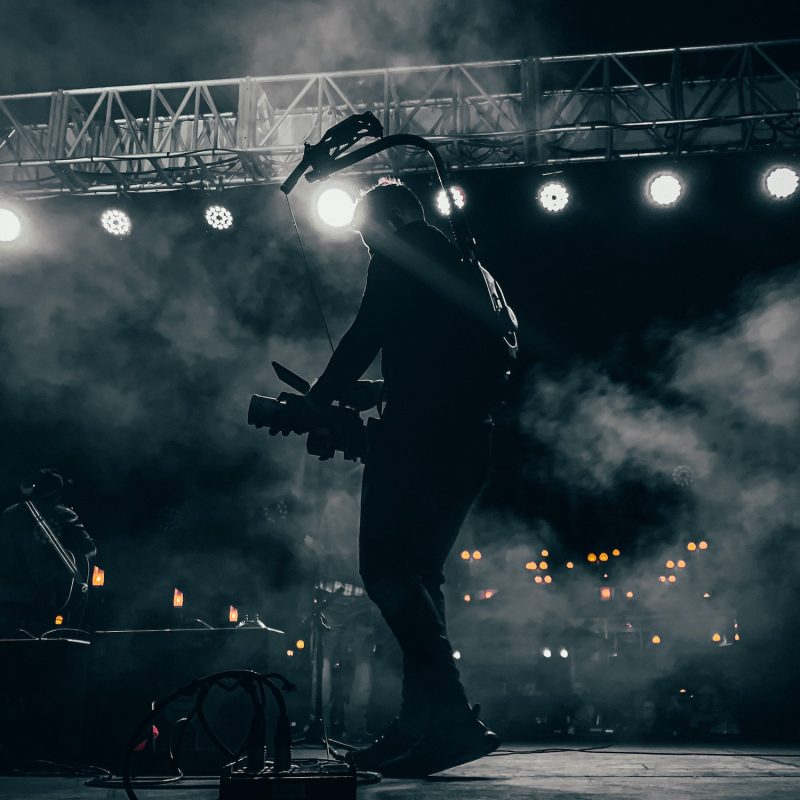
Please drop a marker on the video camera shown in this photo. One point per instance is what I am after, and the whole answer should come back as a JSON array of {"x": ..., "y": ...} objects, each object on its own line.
[{"x": 337, "y": 428}]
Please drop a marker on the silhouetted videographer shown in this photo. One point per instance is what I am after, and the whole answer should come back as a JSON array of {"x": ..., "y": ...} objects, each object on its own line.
[{"x": 430, "y": 315}]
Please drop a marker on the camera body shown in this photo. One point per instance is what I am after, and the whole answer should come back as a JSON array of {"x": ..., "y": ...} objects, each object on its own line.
[{"x": 338, "y": 428}]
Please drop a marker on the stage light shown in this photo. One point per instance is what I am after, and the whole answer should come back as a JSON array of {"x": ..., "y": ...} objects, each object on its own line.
[
  {"x": 691, "y": 546},
  {"x": 670, "y": 564},
  {"x": 706, "y": 595},
  {"x": 290, "y": 653},
  {"x": 300, "y": 644},
  {"x": 457, "y": 655},
  {"x": 531, "y": 565},
  {"x": 335, "y": 207},
  {"x": 467, "y": 598},
  {"x": 538, "y": 579},
  {"x": 615, "y": 552},
  {"x": 715, "y": 637},
  {"x": 177, "y": 598},
  {"x": 603, "y": 556},
  {"x": 672, "y": 579},
  {"x": 10, "y": 225},
  {"x": 591, "y": 558},
  {"x": 545, "y": 553},
  {"x": 116, "y": 222},
  {"x": 59, "y": 620},
  {"x": 477, "y": 555},
  {"x": 664, "y": 189},
  {"x": 542, "y": 565},
  {"x": 233, "y": 614},
  {"x": 656, "y": 639},
  {"x": 488, "y": 594},
  {"x": 681, "y": 564},
  {"x": 703, "y": 545},
  {"x": 443, "y": 202},
  {"x": 465, "y": 555},
  {"x": 547, "y": 652},
  {"x": 548, "y": 578},
  {"x": 219, "y": 218},
  {"x": 563, "y": 652},
  {"x": 736, "y": 637},
  {"x": 553, "y": 197},
  {"x": 662, "y": 578},
  {"x": 629, "y": 595},
  {"x": 570, "y": 565},
  {"x": 781, "y": 182},
  {"x": 98, "y": 576},
  {"x": 605, "y": 593}
]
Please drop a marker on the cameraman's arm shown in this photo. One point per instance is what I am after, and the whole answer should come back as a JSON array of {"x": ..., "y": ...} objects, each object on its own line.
[{"x": 362, "y": 342}]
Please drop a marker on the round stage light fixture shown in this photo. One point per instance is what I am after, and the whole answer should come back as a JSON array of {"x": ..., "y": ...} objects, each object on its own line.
[
  {"x": 782, "y": 182},
  {"x": 219, "y": 218},
  {"x": 664, "y": 189},
  {"x": 115, "y": 222},
  {"x": 335, "y": 207},
  {"x": 10, "y": 225},
  {"x": 563, "y": 652},
  {"x": 444, "y": 204},
  {"x": 553, "y": 196},
  {"x": 457, "y": 655},
  {"x": 547, "y": 652}
]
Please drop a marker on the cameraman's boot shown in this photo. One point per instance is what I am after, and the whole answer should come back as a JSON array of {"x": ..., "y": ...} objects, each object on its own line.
[
  {"x": 453, "y": 736},
  {"x": 391, "y": 743}
]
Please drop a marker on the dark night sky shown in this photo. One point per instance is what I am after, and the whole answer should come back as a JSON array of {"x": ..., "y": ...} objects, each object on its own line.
[{"x": 50, "y": 44}]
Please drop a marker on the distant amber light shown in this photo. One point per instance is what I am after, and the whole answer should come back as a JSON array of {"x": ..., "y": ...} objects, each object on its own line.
[
  {"x": 628, "y": 594},
  {"x": 531, "y": 565},
  {"x": 603, "y": 556},
  {"x": 706, "y": 595},
  {"x": 488, "y": 594},
  {"x": 59, "y": 620},
  {"x": 465, "y": 555},
  {"x": 605, "y": 593},
  {"x": 736, "y": 636},
  {"x": 545, "y": 553},
  {"x": 233, "y": 614},
  {"x": 662, "y": 578},
  {"x": 548, "y": 579},
  {"x": 467, "y": 598},
  {"x": 177, "y": 598},
  {"x": 591, "y": 557},
  {"x": 703, "y": 545},
  {"x": 615, "y": 552},
  {"x": 570, "y": 565},
  {"x": 290, "y": 653},
  {"x": 670, "y": 564},
  {"x": 656, "y": 639},
  {"x": 716, "y": 637},
  {"x": 300, "y": 644},
  {"x": 691, "y": 546},
  {"x": 672, "y": 579},
  {"x": 98, "y": 576},
  {"x": 477, "y": 555},
  {"x": 681, "y": 564},
  {"x": 542, "y": 565},
  {"x": 538, "y": 578}
]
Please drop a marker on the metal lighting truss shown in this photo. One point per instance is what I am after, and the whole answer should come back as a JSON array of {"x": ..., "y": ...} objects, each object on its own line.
[{"x": 534, "y": 111}]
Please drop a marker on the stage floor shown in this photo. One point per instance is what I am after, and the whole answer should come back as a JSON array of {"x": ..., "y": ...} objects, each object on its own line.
[{"x": 640, "y": 773}]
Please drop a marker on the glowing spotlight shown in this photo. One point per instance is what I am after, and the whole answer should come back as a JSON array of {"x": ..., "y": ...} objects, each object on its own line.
[
  {"x": 531, "y": 565},
  {"x": 681, "y": 563},
  {"x": 672, "y": 579},
  {"x": 656, "y": 639},
  {"x": 703, "y": 545},
  {"x": 443, "y": 204},
  {"x": 488, "y": 594},
  {"x": 542, "y": 565},
  {"x": 467, "y": 598},
  {"x": 177, "y": 598},
  {"x": 300, "y": 644},
  {"x": 219, "y": 218},
  {"x": 116, "y": 222},
  {"x": 10, "y": 226},
  {"x": 547, "y": 652},
  {"x": 465, "y": 555},
  {"x": 538, "y": 579},
  {"x": 591, "y": 558},
  {"x": 477, "y": 555},
  {"x": 545, "y": 553},
  {"x": 662, "y": 578},
  {"x": 335, "y": 207},
  {"x": 233, "y": 614},
  {"x": 59, "y": 620},
  {"x": 691, "y": 546},
  {"x": 548, "y": 578},
  {"x": 605, "y": 593},
  {"x": 563, "y": 652},
  {"x": 570, "y": 565},
  {"x": 290, "y": 653},
  {"x": 706, "y": 595},
  {"x": 603, "y": 556},
  {"x": 664, "y": 189},
  {"x": 98, "y": 576},
  {"x": 716, "y": 637},
  {"x": 553, "y": 197},
  {"x": 782, "y": 182},
  {"x": 457, "y": 655},
  {"x": 736, "y": 637},
  {"x": 616, "y": 552},
  {"x": 629, "y": 595},
  {"x": 670, "y": 564}
]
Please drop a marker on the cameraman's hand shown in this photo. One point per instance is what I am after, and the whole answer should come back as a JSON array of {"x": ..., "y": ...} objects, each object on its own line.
[{"x": 363, "y": 395}]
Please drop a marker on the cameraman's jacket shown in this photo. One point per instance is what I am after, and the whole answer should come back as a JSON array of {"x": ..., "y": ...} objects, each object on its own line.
[{"x": 429, "y": 315}]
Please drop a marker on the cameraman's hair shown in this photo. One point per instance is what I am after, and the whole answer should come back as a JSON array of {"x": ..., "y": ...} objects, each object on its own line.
[{"x": 380, "y": 200}]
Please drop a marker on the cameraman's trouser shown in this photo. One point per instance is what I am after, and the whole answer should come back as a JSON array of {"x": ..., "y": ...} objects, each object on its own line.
[{"x": 416, "y": 492}]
